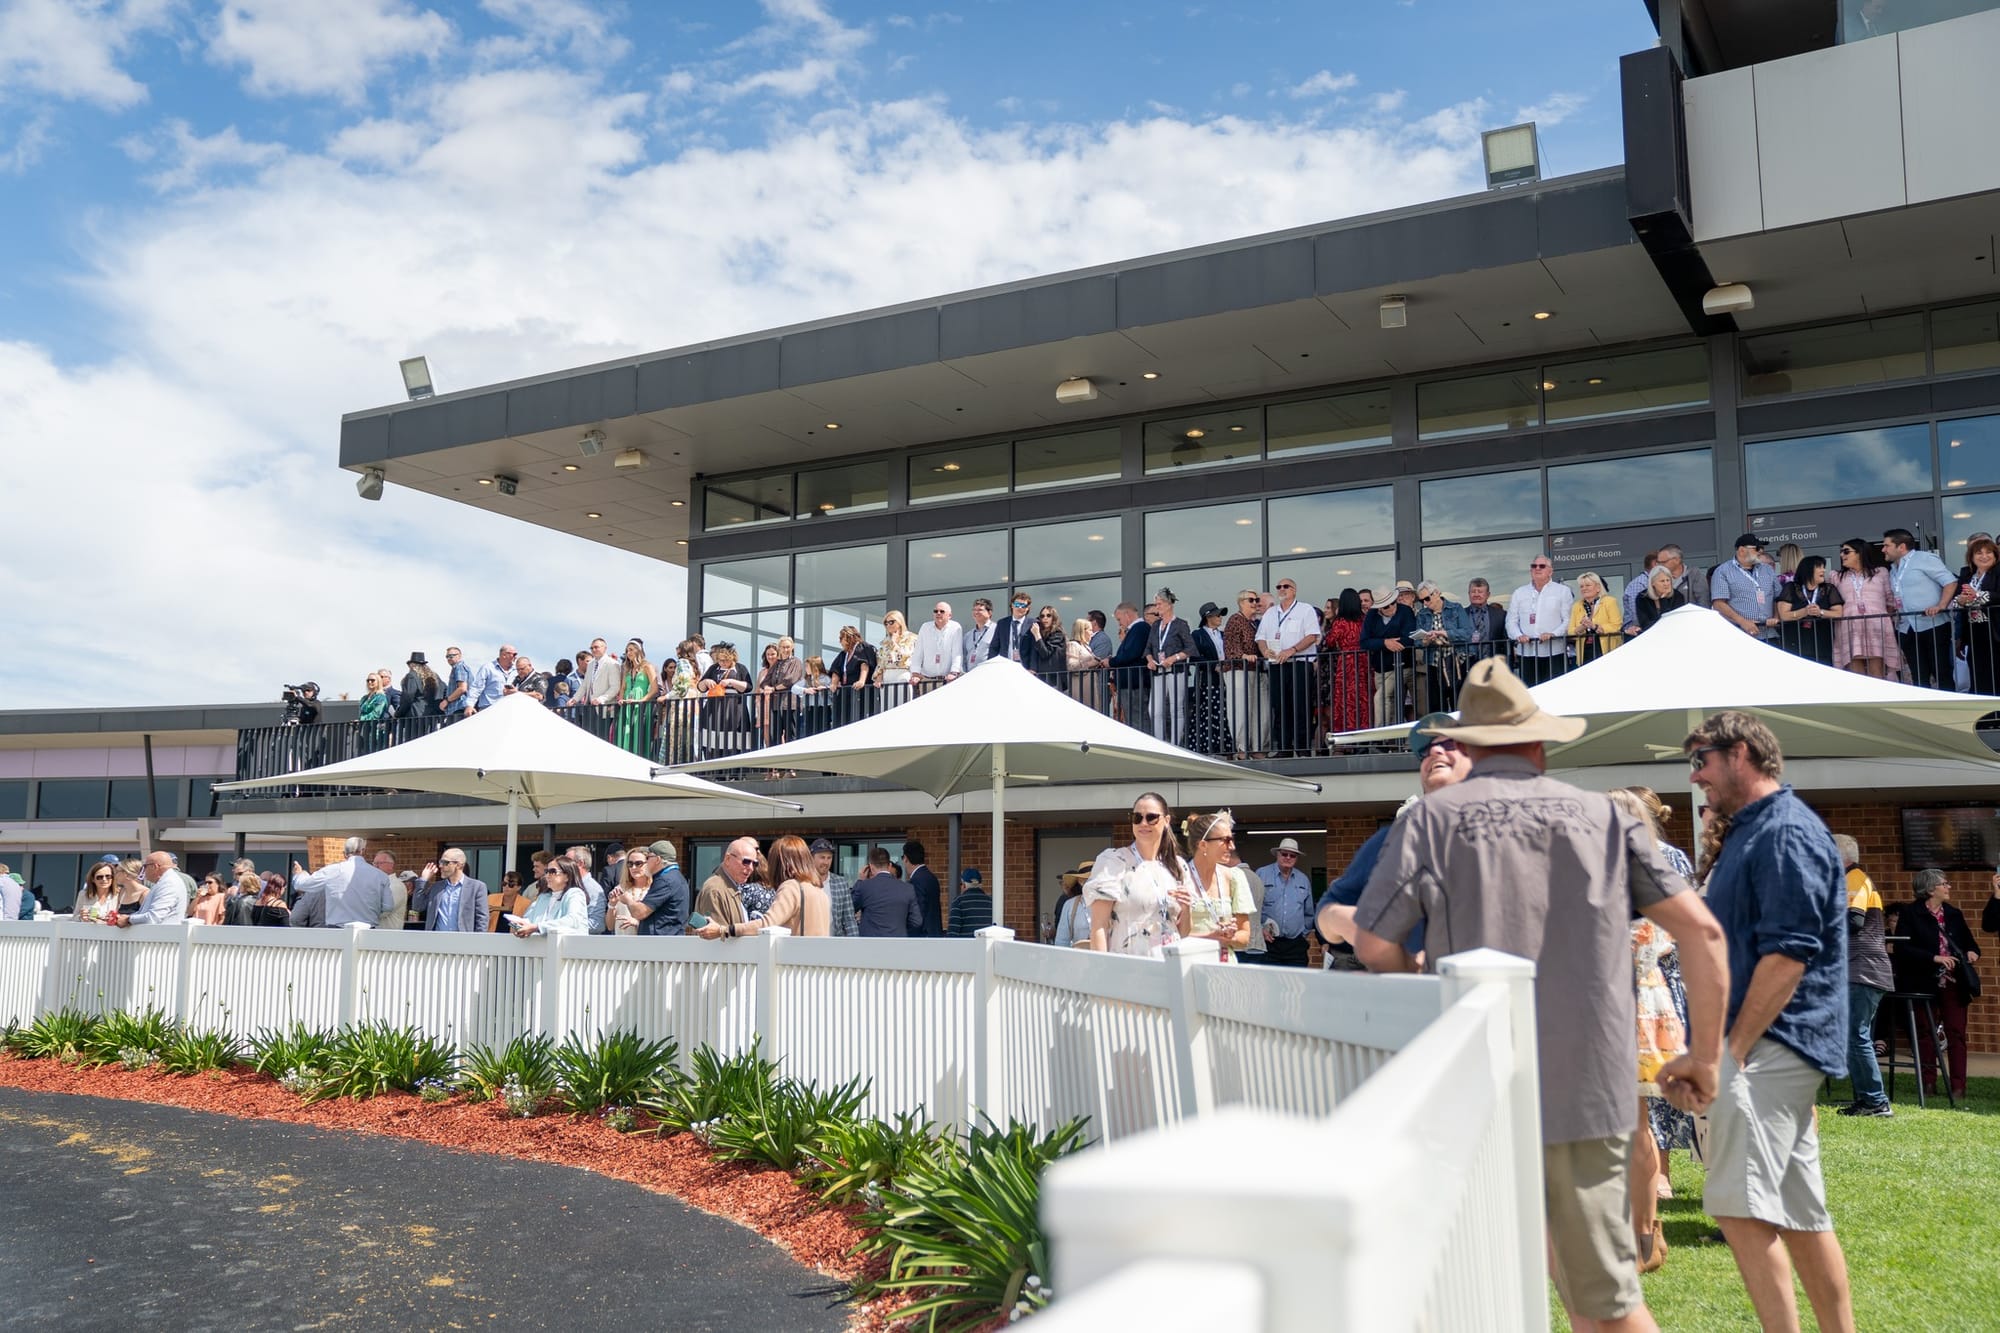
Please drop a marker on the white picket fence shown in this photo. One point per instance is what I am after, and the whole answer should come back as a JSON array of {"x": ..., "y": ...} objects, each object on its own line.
[{"x": 1366, "y": 1148}]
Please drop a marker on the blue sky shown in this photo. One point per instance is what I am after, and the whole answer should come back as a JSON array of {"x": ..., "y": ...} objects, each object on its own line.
[{"x": 223, "y": 222}]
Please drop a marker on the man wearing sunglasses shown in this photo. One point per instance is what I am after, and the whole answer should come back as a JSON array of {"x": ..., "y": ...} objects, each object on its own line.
[
  {"x": 1013, "y": 637},
  {"x": 721, "y": 897},
  {"x": 1538, "y": 621},
  {"x": 447, "y": 898}
]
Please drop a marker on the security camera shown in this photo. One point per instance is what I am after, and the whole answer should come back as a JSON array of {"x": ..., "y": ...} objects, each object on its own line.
[
  {"x": 369, "y": 485},
  {"x": 506, "y": 485}
]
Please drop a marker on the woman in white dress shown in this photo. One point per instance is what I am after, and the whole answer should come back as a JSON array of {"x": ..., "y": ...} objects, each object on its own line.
[
  {"x": 1222, "y": 906},
  {"x": 1140, "y": 894}
]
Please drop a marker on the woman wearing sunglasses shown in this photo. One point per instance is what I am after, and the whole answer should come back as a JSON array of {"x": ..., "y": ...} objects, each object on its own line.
[
  {"x": 1222, "y": 906},
  {"x": 99, "y": 900},
  {"x": 1140, "y": 895}
]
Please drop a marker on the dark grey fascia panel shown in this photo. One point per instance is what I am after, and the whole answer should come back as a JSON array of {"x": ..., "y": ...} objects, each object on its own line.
[
  {"x": 584, "y": 399},
  {"x": 1592, "y": 216},
  {"x": 472, "y": 419},
  {"x": 1834, "y": 411},
  {"x": 158, "y": 721},
  {"x": 865, "y": 347},
  {"x": 707, "y": 375},
  {"x": 1618, "y": 434},
  {"x": 364, "y": 440},
  {"x": 1274, "y": 273},
  {"x": 1029, "y": 317},
  {"x": 1428, "y": 245},
  {"x": 1960, "y": 395}
]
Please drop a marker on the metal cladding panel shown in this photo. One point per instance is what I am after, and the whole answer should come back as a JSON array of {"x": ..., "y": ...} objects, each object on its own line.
[
  {"x": 1259, "y": 275},
  {"x": 1950, "y": 103},
  {"x": 364, "y": 440},
  {"x": 1028, "y": 317},
  {"x": 1589, "y": 217},
  {"x": 1830, "y": 134},
  {"x": 705, "y": 376},
  {"x": 1428, "y": 245},
  {"x": 1834, "y": 412},
  {"x": 864, "y": 347},
  {"x": 1727, "y": 198},
  {"x": 573, "y": 400},
  {"x": 446, "y": 425}
]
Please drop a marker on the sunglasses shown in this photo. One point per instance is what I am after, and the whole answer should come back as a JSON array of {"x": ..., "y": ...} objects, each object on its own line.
[
  {"x": 1698, "y": 759},
  {"x": 1020, "y": 606},
  {"x": 1445, "y": 743},
  {"x": 635, "y": 860},
  {"x": 748, "y": 860},
  {"x": 1230, "y": 841},
  {"x": 1541, "y": 564},
  {"x": 1287, "y": 587},
  {"x": 1147, "y": 816}
]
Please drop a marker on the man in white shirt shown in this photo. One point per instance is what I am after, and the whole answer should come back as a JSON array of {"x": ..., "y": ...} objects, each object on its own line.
[
  {"x": 166, "y": 898},
  {"x": 978, "y": 642},
  {"x": 394, "y": 916},
  {"x": 355, "y": 893},
  {"x": 602, "y": 680},
  {"x": 1288, "y": 637},
  {"x": 1538, "y": 623},
  {"x": 940, "y": 649}
]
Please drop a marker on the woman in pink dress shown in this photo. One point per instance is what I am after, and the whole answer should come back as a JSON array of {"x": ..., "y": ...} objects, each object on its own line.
[
  {"x": 1864, "y": 640},
  {"x": 1346, "y": 687}
]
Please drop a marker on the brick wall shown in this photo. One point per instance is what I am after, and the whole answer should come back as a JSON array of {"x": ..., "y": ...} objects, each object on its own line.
[{"x": 411, "y": 853}]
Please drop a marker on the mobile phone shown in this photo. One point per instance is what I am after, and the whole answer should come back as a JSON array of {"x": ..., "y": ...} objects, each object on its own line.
[{"x": 696, "y": 920}]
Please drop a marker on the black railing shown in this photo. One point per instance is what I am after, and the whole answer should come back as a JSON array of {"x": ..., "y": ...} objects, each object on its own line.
[{"x": 1230, "y": 711}]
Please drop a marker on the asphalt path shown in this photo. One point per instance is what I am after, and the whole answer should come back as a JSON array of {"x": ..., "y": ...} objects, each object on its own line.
[{"x": 123, "y": 1215}]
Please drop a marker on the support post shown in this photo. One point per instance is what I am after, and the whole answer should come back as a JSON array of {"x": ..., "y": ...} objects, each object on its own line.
[
  {"x": 513, "y": 831},
  {"x": 551, "y": 997},
  {"x": 348, "y": 990},
  {"x": 999, "y": 833},
  {"x": 1196, "y": 1076},
  {"x": 52, "y": 977},
  {"x": 184, "y": 973},
  {"x": 987, "y": 1051},
  {"x": 766, "y": 1009},
  {"x": 954, "y": 828}
]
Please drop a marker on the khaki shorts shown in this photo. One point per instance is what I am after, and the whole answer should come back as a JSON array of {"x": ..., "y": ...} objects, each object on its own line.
[
  {"x": 1590, "y": 1226},
  {"x": 1763, "y": 1144}
]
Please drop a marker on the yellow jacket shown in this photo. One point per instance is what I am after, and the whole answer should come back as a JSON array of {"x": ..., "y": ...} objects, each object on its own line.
[{"x": 1609, "y": 619}]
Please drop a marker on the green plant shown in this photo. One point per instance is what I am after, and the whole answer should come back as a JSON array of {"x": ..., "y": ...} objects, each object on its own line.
[
  {"x": 65, "y": 1035},
  {"x": 134, "y": 1057},
  {"x": 433, "y": 1090},
  {"x": 963, "y": 1226},
  {"x": 621, "y": 1069},
  {"x": 853, "y": 1159},
  {"x": 200, "y": 1052},
  {"x": 779, "y": 1123},
  {"x": 116, "y": 1033},
  {"x": 293, "y": 1050},
  {"x": 374, "y": 1058},
  {"x": 712, "y": 1088},
  {"x": 529, "y": 1058},
  {"x": 619, "y": 1118}
]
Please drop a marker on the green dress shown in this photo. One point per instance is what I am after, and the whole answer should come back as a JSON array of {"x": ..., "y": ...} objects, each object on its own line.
[{"x": 635, "y": 721}]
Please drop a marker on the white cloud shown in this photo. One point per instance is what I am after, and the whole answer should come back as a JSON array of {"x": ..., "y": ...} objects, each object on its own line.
[
  {"x": 322, "y": 49},
  {"x": 581, "y": 29},
  {"x": 34, "y": 136},
  {"x": 800, "y": 50},
  {"x": 70, "y": 49},
  {"x": 195, "y": 160},
  {"x": 1385, "y": 103},
  {"x": 1553, "y": 109},
  {"x": 1325, "y": 84}
]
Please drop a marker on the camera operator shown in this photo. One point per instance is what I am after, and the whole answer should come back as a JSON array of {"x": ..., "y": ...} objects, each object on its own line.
[{"x": 301, "y": 704}]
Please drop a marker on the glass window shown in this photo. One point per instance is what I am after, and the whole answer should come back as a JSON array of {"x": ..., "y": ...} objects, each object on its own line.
[
  {"x": 1969, "y": 452},
  {"x": 71, "y": 798},
  {"x": 1611, "y": 386},
  {"x": 854, "y": 489},
  {"x": 1855, "y": 465},
  {"x": 1065, "y": 460},
  {"x": 750, "y": 631},
  {"x": 850, "y": 571},
  {"x": 961, "y": 473},
  {"x": 959, "y": 561},
  {"x": 747, "y": 500},
  {"x": 1507, "y": 401},
  {"x": 1963, "y": 516},
  {"x": 128, "y": 797},
  {"x": 201, "y": 797},
  {"x": 1328, "y": 425},
  {"x": 1209, "y": 440},
  {"x": 918, "y": 609},
  {"x": 13, "y": 801},
  {"x": 766, "y": 581},
  {"x": 1478, "y": 505},
  {"x": 1503, "y": 564},
  {"x": 1073, "y": 597},
  {"x": 1322, "y": 577},
  {"x": 1215, "y": 583},
  {"x": 1331, "y": 520},
  {"x": 1210, "y": 532},
  {"x": 1834, "y": 356},
  {"x": 59, "y": 874},
  {"x": 1087, "y": 546},
  {"x": 1966, "y": 337},
  {"x": 818, "y": 627},
  {"x": 1631, "y": 490}
]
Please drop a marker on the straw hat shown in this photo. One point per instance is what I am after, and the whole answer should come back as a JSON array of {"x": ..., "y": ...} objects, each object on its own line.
[
  {"x": 1495, "y": 708},
  {"x": 1078, "y": 875}
]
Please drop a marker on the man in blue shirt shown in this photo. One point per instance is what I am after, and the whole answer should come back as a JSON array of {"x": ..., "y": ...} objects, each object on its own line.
[
  {"x": 1778, "y": 890},
  {"x": 457, "y": 685},
  {"x": 1288, "y": 906},
  {"x": 492, "y": 680},
  {"x": 1745, "y": 589},
  {"x": 1921, "y": 589},
  {"x": 664, "y": 911}
]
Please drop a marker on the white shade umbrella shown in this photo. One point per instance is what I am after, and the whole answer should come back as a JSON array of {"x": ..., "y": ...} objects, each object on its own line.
[
  {"x": 993, "y": 726},
  {"x": 515, "y": 751},
  {"x": 1644, "y": 698}
]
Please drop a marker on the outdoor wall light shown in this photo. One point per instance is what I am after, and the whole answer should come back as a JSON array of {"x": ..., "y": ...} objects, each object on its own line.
[
  {"x": 417, "y": 377},
  {"x": 1078, "y": 390},
  {"x": 630, "y": 460},
  {"x": 369, "y": 487},
  {"x": 1395, "y": 312},
  {"x": 1731, "y": 298}
]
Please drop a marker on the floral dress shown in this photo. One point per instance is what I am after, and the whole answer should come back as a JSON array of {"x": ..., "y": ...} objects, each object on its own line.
[
  {"x": 1345, "y": 685},
  {"x": 1140, "y": 893},
  {"x": 1216, "y": 906},
  {"x": 897, "y": 653},
  {"x": 1874, "y": 635},
  {"x": 1672, "y": 1128}
]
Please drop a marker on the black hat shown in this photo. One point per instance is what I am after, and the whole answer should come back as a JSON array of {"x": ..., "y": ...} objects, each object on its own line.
[
  {"x": 310, "y": 687},
  {"x": 1750, "y": 539},
  {"x": 1210, "y": 609},
  {"x": 416, "y": 659},
  {"x": 820, "y": 845}
]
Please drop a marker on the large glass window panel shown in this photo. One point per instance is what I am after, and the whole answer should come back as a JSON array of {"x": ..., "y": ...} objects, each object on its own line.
[
  {"x": 1963, "y": 516},
  {"x": 957, "y": 560},
  {"x": 1073, "y": 597},
  {"x": 1322, "y": 577},
  {"x": 1328, "y": 425},
  {"x": 917, "y": 611},
  {"x": 1206, "y": 532},
  {"x": 1503, "y": 564},
  {"x": 128, "y": 798},
  {"x": 1332, "y": 520},
  {"x": 959, "y": 473},
  {"x": 1612, "y": 386},
  {"x": 1209, "y": 440},
  {"x": 1510, "y": 400},
  {"x": 1853, "y": 465},
  {"x": 1479, "y": 505},
  {"x": 1834, "y": 356},
  {"x": 854, "y": 489},
  {"x": 59, "y": 875},
  {"x": 71, "y": 798},
  {"x": 1631, "y": 490},
  {"x": 765, "y": 581},
  {"x": 1213, "y": 583},
  {"x": 1969, "y": 452},
  {"x": 13, "y": 801},
  {"x": 817, "y": 631},
  {"x": 1966, "y": 337},
  {"x": 849, "y": 571},
  {"x": 742, "y": 501},
  {"x": 750, "y": 631},
  {"x": 1085, "y": 546},
  {"x": 1066, "y": 460}
]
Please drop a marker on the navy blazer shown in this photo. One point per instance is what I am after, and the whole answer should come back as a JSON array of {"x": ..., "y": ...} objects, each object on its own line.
[
  {"x": 1132, "y": 654},
  {"x": 1003, "y": 639}
]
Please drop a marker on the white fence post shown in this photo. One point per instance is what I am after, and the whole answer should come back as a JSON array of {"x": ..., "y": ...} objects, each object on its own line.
[
  {"x": 348, "y": 1009},
  {"x": 552, "y": 981},
  {"x": 1463, "y": 973},
  {"x": 1197, "y": 1078},
  {"x": 184, "y": 974},
  {"x": 766, "y": 1007},
  {"x": 987, "y": 1048},
  {"x": 52, "y": 982}
]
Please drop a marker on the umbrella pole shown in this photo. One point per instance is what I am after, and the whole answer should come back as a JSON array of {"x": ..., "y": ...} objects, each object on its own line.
[
  {"x": 999, "y": 830},
  {"x": 513, "y": 831}
]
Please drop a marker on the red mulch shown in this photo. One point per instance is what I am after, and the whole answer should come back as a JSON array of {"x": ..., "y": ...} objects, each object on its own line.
[{"x": 819, "y": 1235}]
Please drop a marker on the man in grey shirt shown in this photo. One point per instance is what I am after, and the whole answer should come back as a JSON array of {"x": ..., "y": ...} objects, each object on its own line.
[
  {"x": 166, "y": 898},
  {"x": 1513, "y": 860},
  {"x": 350, "y": 891}
]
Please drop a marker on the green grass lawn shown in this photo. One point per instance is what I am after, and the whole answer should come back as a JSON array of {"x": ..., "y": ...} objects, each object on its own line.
[{"x": 1915, "y": 1201}]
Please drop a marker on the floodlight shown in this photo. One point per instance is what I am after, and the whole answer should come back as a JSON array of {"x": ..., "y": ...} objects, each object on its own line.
[
  {"x": 1513, "y": 155},
  {"x": 369, "y": 487},
  {"x": 417, "y": 377}
]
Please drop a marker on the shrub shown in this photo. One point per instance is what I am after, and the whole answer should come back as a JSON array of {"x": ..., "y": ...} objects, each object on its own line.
[
  {"x": 433, "y": 1090},
  {"x": 779, "y": 1123},
  {"x": 519, "y": 1099},
  {"x": 529, "y": 1058},
  {"x": 963, "y": 1226},
  {"x": 290, "y": 1051},
  {"x": 852, "y": 1159},
  {"x": 116, "y": 1033},
  {"x": 65, "y": 1035},
  {"x": 622, "y": 1069},
  {"x": 375, "y": 1058},
  {"x": 200, "y": 1053},
  {"x": 134, "y": 1057},
  {"x": 712, "y": 1089}
]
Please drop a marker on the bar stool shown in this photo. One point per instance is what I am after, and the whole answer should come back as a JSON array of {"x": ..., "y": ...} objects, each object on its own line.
[{"x": 1911, "y": 1002}]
